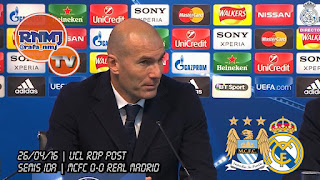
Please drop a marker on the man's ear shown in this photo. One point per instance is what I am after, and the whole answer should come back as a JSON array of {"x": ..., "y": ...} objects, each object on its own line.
[{"x": 113, "y": 63}]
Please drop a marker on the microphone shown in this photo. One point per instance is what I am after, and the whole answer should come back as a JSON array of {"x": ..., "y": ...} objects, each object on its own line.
[{"x": 175, "y": 152}]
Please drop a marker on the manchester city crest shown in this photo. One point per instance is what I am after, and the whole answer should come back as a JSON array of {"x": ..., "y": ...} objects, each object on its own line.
[
  {"x": 309, "y": 15},
  {"x": 247, "y": 148}
]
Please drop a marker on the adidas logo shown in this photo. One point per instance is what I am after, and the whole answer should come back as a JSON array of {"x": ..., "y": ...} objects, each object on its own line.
[
  {"x": 193, "y": 82},
  {"x": 26, "y": 87},
  {"x": 313, "y": 88}
]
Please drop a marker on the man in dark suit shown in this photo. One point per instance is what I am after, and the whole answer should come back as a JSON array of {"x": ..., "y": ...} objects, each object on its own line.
[
  {"x": 309, "y": 136},
  {"x": 95, "y": 114}
]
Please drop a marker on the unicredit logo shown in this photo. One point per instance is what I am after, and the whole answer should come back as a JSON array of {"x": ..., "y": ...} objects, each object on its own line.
[
  {"x": 190, "y": 38},
  {"x": 108, "y": 14},
  {"x": 108, "y": 10},
  {"x": 273, "y": 58},
  {"x": 277, "y": 38},
  {"x": 273, "y": 63}
]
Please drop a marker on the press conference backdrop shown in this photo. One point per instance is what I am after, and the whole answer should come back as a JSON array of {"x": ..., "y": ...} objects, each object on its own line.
[{"x": 227, "y": 59}]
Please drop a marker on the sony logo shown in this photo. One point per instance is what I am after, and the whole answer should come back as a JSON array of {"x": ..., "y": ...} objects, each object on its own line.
[
  {"x": 20, "y": 58},
  {"x": 139, "y": 10},
  {"x": 310, "y": 58},
  {"x": 232, "y": 34}
]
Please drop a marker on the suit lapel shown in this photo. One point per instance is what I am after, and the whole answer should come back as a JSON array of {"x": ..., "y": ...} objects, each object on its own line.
[
  {"x": 106, "y": 110},
  {"x": 155, "y": 110}
]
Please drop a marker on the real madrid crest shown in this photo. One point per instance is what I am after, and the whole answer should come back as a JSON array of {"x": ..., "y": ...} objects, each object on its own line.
[
  {"x": 248, "y": 148},
  {"x": 286, "y": 152},
  {"x": 309, "y": 15}
]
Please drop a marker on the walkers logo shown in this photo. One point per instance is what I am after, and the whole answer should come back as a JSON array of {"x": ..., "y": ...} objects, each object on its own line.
[
  {"x": 165, "y": 63},
  {"x": 190, "y": 39},
  {"x": 273, "y": 63},
  {"x": 98, "y": 62},
  {"x": 154, "y": 14},
  {"x": 16, "y": 63},
  {"x": 232, "y": 39},
  {"x": 191, "y": 15},
  {"x": 99, "y": 38},
  {"x": 277, "y": 86},
  {"x": 26, "y": 86},
  {"x": 231, "y": 86},
  {"x": 273, "y": 39},
  {"x": 285, "y": 150},
  {"x": 201, "y": 84},
  {"x": 164, "y": 33},
  {"x": 190, "y": 63},
  {"x": 16, "y": 12},
  {"x": 1, "y": 14},
  {"x": 308, "y": 14},
  {"x": 232, "y": 62},
  {"x": 2, "y": 86},
  {"x": 274, "y": 14},
  {"x": 77, "y": 38},
  {"x": 38, "y": 42},
  {"x": 232, "y": 14},
  {"x": 308, "y": 87},
  {"x": 1, "y": 38},
  {"x": 247, "y": 150},
  {"x": 10, "y": 34},
  {"x": 308, "y": 38},
  {"x": 1, "y": 62},
  {"x": 69, "y": 14},
  {"x": 308, "y": 63},
  {"x": 108, "y": 14},
  {"x": 56, "y": 83}
]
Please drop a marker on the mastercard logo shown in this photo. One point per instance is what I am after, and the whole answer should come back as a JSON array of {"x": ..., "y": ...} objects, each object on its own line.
[
  {"x": 277, "y": 38},
  {"x": 194, "y": 14}
]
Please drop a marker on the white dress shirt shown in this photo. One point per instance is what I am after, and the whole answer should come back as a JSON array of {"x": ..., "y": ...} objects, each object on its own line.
[{"x": 122, "y": 103}]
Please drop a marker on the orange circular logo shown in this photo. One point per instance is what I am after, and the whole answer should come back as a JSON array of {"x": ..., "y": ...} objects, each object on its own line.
[{"x": 64, "y": 61}]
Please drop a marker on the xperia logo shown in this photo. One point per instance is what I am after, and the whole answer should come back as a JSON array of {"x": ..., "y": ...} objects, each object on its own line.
[{"x": 108, "y": 10}]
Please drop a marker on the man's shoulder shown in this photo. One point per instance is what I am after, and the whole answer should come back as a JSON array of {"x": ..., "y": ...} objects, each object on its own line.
[
  {"x": 174, "y": 86},
  {"x": 313, "y": 104}
]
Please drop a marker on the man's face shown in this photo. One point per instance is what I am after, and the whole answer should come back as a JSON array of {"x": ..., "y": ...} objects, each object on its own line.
[{"x": 140, "y": 71}]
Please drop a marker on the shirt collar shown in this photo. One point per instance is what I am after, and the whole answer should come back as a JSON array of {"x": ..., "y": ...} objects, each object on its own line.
[{"x": 121, "y": 102}]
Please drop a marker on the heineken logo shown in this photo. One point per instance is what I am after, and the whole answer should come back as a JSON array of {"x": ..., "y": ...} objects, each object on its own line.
[
  {"x": 70, "y": 14},
  {"x": 232, "y": 62}
]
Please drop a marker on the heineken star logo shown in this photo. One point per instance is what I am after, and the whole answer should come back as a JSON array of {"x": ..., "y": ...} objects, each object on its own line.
[
  {"x": 232, "y": 59},
  {"x": 67, "y": 10}
]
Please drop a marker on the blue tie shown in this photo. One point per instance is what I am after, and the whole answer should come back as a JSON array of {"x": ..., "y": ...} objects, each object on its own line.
[{"x": 132, "y": 111}]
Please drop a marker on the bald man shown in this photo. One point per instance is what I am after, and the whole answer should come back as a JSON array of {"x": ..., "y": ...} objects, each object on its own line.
[{"x": 119, "y": 109}]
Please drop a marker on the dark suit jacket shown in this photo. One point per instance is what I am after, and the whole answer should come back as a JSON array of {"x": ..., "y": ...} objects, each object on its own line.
[
  {"x": 85, "y": 117},
  {"x": 309, "y": 136}
]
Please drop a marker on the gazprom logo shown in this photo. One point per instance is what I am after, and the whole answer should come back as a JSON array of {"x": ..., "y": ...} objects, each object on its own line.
[
  {"x": 196, "y": 67},
  {"x": 97, "y": 40},
  {"x": 14, "y": 15},
  {"x": 41, "y": 37}
]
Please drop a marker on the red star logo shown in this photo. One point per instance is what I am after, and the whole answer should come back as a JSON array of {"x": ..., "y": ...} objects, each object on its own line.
[
  {"x": 67, "y": 10},
  {"x": 232, "y": 59}
]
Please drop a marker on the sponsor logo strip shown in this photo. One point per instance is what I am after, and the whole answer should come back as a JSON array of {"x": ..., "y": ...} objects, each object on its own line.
[
  {"x": 77, "y": 38},
  {"x": 154, "y": 14},
  {"x": 190, "y": 63},
  {"x": 10, "y": 34},
  {"x": 273, "y": 63},
  {"x": 277, "y": 86},
  {"x": 231, "y": 86},
  {"x": 16, "y": 63},
  {"x": 232, "y": 39},
  {"x": 56, "y": 83},
  {"x": 190, "y": 39},
  {"x": 99, "y": 38},
  {"x": 231, "y": 62},
  {"x": 308, "y": 38},
  {"x": 232, "y": 14},
  {"x": 308, "y": 87},
  {"x": 108, "y": 14},
  {"x": 2, "y": 86},
  {"x": 1, "y": 62},
  {"x": 191, "y": 15},
  {"x": 69, "y": 14},
  {"x": 16, "y": 12},
  {"x": 308, "y": 63},
  {"x": 201, "y": 84},
  {"x": 164, "y": 33},
  {"x": 26, "y": 86},
  {"x": 98, "y": 62},
  {"x": 273, "y": 39},
  {"x": 274, "y": 14},
  {"x": 308, "y": 14}
]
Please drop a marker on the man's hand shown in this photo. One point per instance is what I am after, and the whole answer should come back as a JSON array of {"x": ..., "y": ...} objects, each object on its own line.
[{"x": 148, "y": 178}]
